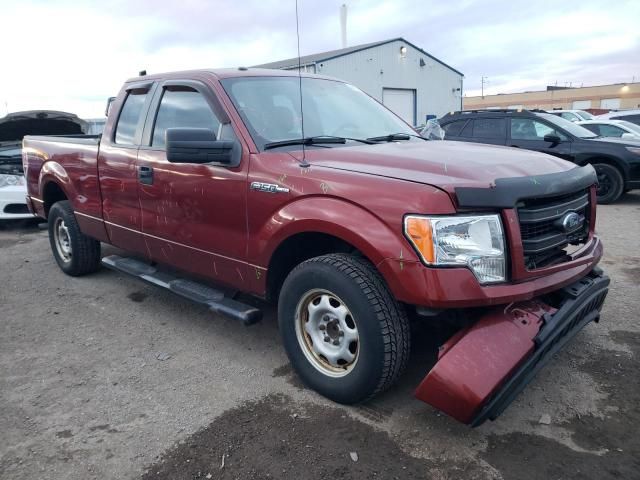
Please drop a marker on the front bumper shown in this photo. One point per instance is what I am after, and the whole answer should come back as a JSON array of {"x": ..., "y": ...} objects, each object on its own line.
[
  {"x": 13, "y": 203},
  {"x": 415, "y": 284},
  {"x": 482, "y": 369}
]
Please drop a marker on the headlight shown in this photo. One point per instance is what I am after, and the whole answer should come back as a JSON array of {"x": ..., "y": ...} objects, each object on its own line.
[
  {"x": 11, "y": 180},
  {"x": 476, "y": 242}
]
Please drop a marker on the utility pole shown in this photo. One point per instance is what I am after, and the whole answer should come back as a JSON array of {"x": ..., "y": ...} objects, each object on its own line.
[{"x": 483, "y": 81}]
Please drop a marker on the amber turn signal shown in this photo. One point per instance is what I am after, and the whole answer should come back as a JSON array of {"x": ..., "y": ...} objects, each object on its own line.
[{"x": 420, "y": 233}]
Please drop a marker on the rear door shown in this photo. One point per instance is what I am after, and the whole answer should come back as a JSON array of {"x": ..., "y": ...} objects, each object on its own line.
[
  {"x": 117, "y": 169},
  {"x": 193, "y": 215},
  {"x": 529, "y": 133}
]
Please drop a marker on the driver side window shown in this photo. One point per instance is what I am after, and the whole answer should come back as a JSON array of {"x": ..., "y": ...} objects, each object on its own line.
[
  {"x": 529, "y": 129},
  {"x": 182, "y": 107}
]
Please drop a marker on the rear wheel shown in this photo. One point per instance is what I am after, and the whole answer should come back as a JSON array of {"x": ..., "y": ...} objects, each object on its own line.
[
  {"x": 346, "y": 336},
  {"x": 75, "y": 253},
  {"x": 610, "y": 183}
]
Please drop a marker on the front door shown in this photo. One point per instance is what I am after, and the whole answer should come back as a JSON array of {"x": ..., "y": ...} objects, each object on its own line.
[{"x": 193, "y": 215}]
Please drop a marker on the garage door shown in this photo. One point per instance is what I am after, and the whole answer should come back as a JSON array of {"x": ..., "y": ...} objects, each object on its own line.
[{"x": 402, "y": 102}]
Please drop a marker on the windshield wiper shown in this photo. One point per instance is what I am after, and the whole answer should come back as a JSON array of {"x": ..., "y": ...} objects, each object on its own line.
[
  {"x": 392, "y": 137},
  {"x": 314, "y": 141}
]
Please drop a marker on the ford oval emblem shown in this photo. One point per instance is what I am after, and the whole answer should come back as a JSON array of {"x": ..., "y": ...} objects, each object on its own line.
[{"x": 571, "y": 221}]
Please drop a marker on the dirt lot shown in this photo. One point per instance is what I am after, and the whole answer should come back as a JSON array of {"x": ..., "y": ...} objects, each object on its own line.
[{"x": 104, "y": 377}]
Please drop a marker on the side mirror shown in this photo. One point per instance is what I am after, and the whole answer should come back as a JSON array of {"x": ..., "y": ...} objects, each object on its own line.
[
  {"x": 199, "y": 145},
  {"x": 552, "y": 138},
  {"x": 629, "y": 136}
]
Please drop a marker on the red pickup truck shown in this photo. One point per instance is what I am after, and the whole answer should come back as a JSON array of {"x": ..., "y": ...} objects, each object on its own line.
[{"x": 346, "y": 218}]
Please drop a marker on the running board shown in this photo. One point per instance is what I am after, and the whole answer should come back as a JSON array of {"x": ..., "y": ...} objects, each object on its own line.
[{"x": 194, "y": 291}]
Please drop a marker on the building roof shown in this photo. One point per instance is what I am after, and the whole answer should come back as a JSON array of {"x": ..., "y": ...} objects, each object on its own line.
[{"x": 331, "y": 54}]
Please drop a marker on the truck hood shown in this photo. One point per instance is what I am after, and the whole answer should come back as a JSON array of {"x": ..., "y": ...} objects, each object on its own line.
[
  {"x": 443, "y": 164},
  {"x": 16, "y": 125}
]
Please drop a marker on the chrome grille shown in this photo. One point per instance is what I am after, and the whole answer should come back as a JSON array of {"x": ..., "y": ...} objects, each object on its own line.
[{"x": 544, "y": 238}]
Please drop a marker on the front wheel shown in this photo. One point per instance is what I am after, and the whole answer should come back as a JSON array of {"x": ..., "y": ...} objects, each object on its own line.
[
  {"x": 344, "y": 333},
  {"x": 75, "y": 253},
  {"x": 610, "y": 183}
]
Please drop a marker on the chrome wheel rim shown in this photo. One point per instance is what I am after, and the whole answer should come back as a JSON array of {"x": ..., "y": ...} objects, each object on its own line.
[
  {"x": 62, "y": 239},
  {"x": 327, "y": 333}
]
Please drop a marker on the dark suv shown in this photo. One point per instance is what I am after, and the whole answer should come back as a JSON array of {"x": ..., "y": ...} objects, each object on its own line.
[{"x": 616, "y": 161}]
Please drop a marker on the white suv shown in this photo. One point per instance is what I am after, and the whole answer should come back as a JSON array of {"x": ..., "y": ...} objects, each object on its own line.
[{"x": 572, "y": 115}]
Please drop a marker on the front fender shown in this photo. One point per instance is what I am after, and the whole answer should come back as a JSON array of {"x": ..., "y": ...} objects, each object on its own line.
[{"x": 336, "y": 217}]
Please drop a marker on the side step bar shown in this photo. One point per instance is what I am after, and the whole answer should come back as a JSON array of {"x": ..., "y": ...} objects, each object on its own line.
[{"x": 194, "y": 291}]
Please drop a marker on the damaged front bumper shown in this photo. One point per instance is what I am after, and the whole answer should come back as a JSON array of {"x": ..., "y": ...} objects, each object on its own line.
[{"x": 482, "y": 369}]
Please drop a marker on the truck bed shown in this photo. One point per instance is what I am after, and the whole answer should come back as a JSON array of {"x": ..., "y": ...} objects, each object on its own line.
[{"x": 75, "y": 157}]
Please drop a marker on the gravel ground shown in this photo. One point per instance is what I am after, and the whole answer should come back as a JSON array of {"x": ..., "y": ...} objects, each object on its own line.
[{"x": 105, "y": 377}]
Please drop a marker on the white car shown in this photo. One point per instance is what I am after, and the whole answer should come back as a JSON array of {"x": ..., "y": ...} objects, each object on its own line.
[
  {"x": 613, "y": 128},
  {"x": 632, "y": 116},
  {"x": 13, "y": 190},
  {"x": 13, "y": 127},
  {"x": 572, "y": 115}
]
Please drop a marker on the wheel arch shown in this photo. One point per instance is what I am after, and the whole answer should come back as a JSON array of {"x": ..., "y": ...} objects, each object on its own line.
[
  {"x": 297, "y": 248},
  {"x": 52, "y": 192},
  {"x": 327, "y": 225},
  {"x": 55, "y": 185},
  {"x": 609, "y": 160}
]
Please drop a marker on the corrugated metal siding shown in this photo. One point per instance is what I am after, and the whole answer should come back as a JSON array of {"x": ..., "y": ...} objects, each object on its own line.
[{"x": 381, "y": 67}]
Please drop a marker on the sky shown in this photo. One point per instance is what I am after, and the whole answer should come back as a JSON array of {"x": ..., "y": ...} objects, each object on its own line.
[{"x": 72, "y": 55}]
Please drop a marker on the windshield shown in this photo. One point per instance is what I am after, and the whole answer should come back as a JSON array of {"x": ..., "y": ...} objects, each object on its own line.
[
  {"x": 584, "y": 115},
  {"x": 631, "y": 126},
  {"x": 572, "y": 128},
  {"x": 270, "y": 108}
]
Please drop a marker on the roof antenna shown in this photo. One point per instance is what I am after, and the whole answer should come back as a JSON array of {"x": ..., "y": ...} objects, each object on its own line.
[{"x": 303, "y": 162}]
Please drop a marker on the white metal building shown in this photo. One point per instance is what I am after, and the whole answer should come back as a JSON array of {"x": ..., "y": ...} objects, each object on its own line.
[{"x": 408, "y": 80}]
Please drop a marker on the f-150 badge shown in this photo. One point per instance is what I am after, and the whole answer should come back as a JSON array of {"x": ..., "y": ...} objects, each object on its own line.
[{"x": 268, "y": 187}]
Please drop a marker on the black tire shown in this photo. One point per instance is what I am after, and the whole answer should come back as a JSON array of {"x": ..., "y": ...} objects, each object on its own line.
[
  {"x": 382, "y": 326},
  {"x": 610, "y": 183},
  {"x": 84, "y": 256}
]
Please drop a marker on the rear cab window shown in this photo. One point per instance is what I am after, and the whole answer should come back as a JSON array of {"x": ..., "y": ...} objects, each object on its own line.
[{"x": 131, "y": 117}]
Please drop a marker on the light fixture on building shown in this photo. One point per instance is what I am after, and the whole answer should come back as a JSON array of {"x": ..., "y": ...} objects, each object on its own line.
[
  {"x": 625, "y": 89},
  {"x": 403, "y": 51}
]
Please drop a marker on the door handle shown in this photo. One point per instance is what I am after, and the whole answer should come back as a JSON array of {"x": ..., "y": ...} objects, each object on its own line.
[{"x": 145, "y": 175}]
